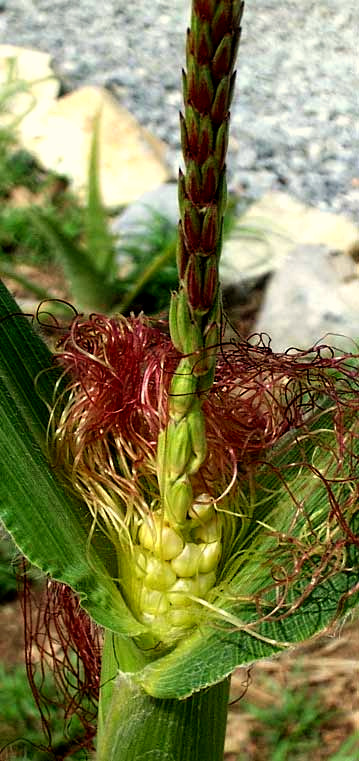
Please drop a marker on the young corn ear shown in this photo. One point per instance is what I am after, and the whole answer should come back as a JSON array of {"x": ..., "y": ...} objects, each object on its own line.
[
  {"x": 211, "y": 49},
  {"x": 185, "y": 493}
]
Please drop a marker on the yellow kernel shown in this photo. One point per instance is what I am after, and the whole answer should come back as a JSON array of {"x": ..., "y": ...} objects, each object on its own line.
[
  {"x": 210, "y": 554},
  {"x": 202, "y": 509},
  {"x": 186, "y": 563},
  {"x": 146, "y": 537},
  {"x": 160, "y": 539},
  {"x": 159, "y": 574},
  {"x": 154, "y": 602},
  {"x": 178, "y": 595},
  {"x": 209, "y": 532},
  {"x": 205, "y": 582},
  {"x": 181, "y": 617}
]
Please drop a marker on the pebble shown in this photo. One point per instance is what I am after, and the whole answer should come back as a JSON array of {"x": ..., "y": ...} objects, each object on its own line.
[{"x": 296, "y": 102}]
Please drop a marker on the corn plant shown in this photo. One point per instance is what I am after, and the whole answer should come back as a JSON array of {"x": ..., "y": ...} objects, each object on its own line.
[{"x": 197, "y": 500}]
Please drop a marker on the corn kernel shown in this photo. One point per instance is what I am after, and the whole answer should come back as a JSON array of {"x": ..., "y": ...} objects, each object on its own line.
[
  {"x": 209, "y": 532},
  {"x": 178, "y": 501},
  {"x": 154, "y": 602},
  {"x": 186, "y": 563},
  {"x": 205, "y": 582},
  {"x": 160, "y": 539},
  {"x": 159, "y": 574},
  {"x": 178, "y": 595},
  {"x": 210, "y": 554},
  {"x": 182, "y": 617},
  {"x": 202, "y": 509}
]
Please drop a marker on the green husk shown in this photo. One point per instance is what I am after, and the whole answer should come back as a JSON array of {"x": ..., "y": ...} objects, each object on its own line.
[{"x": 52, "y": 528}]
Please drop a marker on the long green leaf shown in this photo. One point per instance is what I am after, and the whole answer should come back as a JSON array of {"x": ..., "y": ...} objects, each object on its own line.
[
  {"x": 99, "y": 241},
  {"x": 22, "y": 356},
  {"x": 89, "y": 288},
  {"x": 51, "y": 527}
]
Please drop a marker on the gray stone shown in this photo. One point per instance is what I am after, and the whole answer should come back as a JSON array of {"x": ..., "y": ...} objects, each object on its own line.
[
  {"x": 297, "y": 73},
  {"x": 313, "y": 297},
  {"x": 247, "y": 157},
  {"x": 162, "y": 200},
  {"x": 131, "y": 158},
  {"x": 256, "y": 182},
  {"x": 260, "y": 240}
]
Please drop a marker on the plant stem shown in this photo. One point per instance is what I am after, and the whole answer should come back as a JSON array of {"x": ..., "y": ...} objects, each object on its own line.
[
  {"x": 133, "y": 725},
  {"x": 139, "y": 726},
  {"x": 119, "y": 653}
]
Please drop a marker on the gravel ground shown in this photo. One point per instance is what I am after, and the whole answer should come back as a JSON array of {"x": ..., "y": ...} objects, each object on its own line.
[{"x": 295, "y": 119}]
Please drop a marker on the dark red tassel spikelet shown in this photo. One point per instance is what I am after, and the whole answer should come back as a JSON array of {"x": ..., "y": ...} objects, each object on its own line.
[{"x": 208, "y": 83}]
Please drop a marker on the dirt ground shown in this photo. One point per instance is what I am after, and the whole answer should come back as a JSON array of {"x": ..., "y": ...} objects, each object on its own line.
[{"x": 328, "y": 666}]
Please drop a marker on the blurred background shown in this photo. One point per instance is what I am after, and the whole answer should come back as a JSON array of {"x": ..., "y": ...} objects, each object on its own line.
[
  {"x": 295, "y": 134},
  {"x": 295, "y": 112}
]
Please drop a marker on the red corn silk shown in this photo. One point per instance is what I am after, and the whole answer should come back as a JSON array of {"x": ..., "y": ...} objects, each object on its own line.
[
  {"x": 63, "y": 648},
  {"x": 120, "y": 373}
]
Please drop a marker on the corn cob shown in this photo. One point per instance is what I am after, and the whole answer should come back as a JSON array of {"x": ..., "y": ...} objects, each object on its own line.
[{"x": 179, "y": 547}]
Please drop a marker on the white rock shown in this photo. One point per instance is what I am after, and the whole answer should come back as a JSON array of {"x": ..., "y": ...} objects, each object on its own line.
[
  {"x": 58, "y": 131},
  {"x": 270, "y": 228},
  {"x": 312, "y": 298},
  {"x": 131, "y": 159},
  {"x": 28, "y": 85}
]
